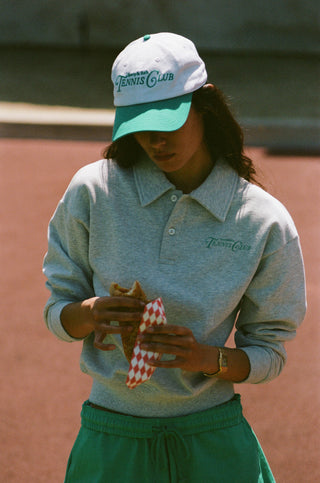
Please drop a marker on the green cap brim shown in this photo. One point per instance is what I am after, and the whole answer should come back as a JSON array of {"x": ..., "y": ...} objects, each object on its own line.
[{"x": 163, "y": 116}]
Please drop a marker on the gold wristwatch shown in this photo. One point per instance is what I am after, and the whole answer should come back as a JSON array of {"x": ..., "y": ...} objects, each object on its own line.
[{"x": 222, "y": 361}]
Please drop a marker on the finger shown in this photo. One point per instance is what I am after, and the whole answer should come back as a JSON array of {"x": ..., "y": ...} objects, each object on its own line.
[
  {"x": 106, "y": 329},
  {"x": 108, "y": 315},
  {"x": 120, "y": 302},
  {"x": 186, "y": 341},
  {"x": 104, "y": 347},
  {"x": 168, "y": 329},
  {"x": 165, "y": 349},
  {"x": 172, "y": 364},
  {"x": 98, "y": 342}
]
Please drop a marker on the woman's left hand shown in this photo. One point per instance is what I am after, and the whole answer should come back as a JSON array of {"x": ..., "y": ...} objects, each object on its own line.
[{"x": 180, "y": 342}]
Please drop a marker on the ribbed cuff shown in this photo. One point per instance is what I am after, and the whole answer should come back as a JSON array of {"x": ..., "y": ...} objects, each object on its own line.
[
  {"x": 55, "y": 325},
  {"x": 260, "y": 364}
]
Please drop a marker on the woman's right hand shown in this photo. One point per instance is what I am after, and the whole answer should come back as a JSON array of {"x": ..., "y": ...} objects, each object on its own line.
[
  {"x": 96, "y": 314},
  {"x": 124, "y": 310}
]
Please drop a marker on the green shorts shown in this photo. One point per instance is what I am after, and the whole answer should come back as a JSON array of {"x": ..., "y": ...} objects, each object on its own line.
[{"x": 216, "y": 445}]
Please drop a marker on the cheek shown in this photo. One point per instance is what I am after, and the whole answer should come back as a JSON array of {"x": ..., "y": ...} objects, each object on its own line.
[
  {"x": 193, "y": 130},
  {"x": 141, "y": 139},
  {"x": 194, "y": 138}
]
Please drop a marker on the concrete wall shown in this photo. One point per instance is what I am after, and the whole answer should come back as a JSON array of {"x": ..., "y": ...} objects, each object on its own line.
[{"x": 239, "y": 25}]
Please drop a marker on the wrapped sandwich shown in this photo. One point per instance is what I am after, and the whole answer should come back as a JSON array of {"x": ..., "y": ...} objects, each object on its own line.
[
  {"x": 128, "y": 340},
  {"x": 139, "y": 371}
]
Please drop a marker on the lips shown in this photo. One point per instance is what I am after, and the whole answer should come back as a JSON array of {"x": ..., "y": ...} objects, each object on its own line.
[{"x": 161, "y": 158}]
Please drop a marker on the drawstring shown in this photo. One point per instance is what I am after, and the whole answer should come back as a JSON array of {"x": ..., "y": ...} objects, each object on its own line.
[{"x": 165, "y": 444}]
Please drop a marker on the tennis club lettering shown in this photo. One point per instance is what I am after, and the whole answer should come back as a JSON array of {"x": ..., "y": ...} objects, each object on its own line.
[
  {"x": 146, "y": 78},
  {"x": 234, "y": 245}
]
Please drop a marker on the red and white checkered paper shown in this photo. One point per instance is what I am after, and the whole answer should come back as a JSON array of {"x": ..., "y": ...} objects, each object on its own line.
[{"x": 139, "y": 370}]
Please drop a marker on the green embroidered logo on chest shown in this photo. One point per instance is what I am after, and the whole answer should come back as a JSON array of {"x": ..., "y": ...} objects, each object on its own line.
[{"x": 229, "y": 243}]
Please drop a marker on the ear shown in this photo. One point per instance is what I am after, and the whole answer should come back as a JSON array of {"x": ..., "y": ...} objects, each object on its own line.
[{"x": 208, "y": 87}]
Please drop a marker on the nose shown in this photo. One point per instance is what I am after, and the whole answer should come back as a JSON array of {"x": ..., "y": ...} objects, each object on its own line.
[{"x": 157, "y": 139}]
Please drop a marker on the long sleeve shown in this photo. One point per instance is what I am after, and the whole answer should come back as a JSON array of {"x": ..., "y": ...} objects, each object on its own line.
[
  {"x": 272, "y": 309},
  {"x": 66, "y": 263}
]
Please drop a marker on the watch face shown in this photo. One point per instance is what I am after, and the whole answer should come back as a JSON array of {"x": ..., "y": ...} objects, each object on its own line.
[{"x": 224, "y": 363}]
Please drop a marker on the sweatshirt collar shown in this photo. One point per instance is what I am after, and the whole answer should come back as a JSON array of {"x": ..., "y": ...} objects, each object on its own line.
[
  {"x": 217, "y": 191},
  {"x": 150, "y": 180},
  {"x": 215, "y": 194}
]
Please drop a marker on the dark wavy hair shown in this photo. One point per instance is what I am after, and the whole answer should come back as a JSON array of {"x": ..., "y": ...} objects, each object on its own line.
[{"x": 223, "y": 136}]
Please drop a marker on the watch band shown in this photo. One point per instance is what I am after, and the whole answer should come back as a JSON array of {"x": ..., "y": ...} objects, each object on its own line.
[{"x": 222, "y": 362}]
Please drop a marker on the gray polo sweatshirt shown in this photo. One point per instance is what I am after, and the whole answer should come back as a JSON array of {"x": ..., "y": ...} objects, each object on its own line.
[{"x": 226, "y": 254}]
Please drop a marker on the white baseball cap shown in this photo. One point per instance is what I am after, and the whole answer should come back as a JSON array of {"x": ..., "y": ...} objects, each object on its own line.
[{"x": 154, "y": 78}]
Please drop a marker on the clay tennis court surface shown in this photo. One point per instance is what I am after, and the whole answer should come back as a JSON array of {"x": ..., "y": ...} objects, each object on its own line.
[{"x": 42, "y": 388}]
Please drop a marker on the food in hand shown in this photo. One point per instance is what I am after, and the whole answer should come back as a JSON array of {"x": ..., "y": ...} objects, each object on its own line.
[
  {"x": 128, "y": 340},
  {"x": 140, "y": 369}
]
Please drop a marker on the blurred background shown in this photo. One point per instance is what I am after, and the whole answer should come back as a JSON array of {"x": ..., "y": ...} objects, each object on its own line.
[
  {"x": 56, "y": 115},
  {"x": 263, "y": 55}
]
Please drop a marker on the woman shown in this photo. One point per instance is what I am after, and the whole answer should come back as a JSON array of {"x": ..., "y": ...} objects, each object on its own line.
[{"x": 175, "y": 205}]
